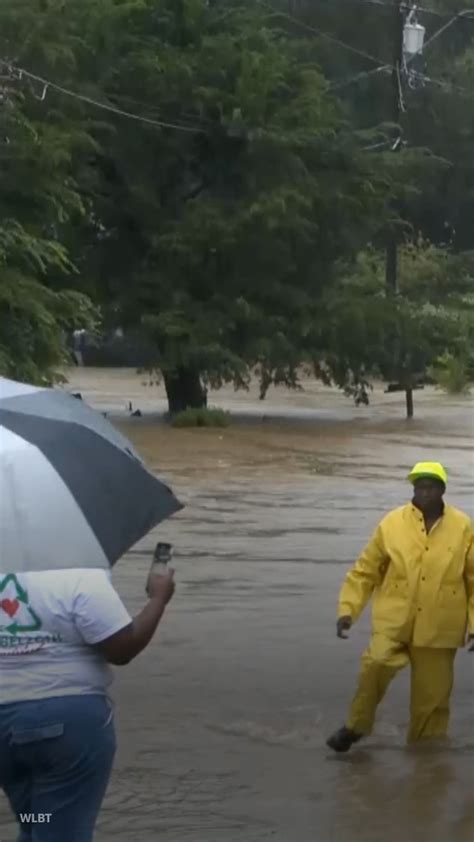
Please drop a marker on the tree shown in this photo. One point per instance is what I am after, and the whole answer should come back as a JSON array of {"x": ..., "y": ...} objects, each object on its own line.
[
  {"x": 37, "y": 198},
  {"x": 356, "y": 50},
  {"x": 230, "y": 235},
  {"x": 219, "y": 235},
  {"x": 34, "y": 318},
  {"x": 217, "y": 217},
  {"x": 433, "y": 316}
]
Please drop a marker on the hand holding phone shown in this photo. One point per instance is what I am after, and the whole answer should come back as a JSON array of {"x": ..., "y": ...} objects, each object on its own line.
[{"x": 160, "y": 583}]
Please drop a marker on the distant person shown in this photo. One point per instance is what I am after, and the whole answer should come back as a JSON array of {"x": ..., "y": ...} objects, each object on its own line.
[
  {"x": 419, "y": 569},
  {"x": 59, "y": 630},
  {"x": 79, "y": 344}
]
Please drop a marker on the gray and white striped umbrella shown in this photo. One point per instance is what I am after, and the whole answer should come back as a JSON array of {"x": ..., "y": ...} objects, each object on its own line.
[{"x": 73, "y": 491}]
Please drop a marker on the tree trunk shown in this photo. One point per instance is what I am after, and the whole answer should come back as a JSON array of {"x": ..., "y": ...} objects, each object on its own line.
[
  {"x": 184, "y": 390},
  {"x": 409, "y": 398}
]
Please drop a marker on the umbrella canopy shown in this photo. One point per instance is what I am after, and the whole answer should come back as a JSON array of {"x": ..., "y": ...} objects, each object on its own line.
[{"x": 73, "y": 491}]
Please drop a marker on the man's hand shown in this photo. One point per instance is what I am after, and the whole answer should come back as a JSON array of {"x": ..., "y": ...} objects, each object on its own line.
[
  {"x": 343, "y": 626},
  {"x": 161, "y": 587}
]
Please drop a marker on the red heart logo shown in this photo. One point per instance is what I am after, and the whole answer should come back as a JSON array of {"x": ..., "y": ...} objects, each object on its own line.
[{"x": 10, "y": 606}]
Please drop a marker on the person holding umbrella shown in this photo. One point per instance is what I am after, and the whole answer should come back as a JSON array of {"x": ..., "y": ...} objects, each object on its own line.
[
  {"x": 74, "y": 498},
  {"x": 419, "y": 570}
]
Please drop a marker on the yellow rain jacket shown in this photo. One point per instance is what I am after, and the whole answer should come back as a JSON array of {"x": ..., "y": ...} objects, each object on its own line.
[{"x": 422, "y": 585}]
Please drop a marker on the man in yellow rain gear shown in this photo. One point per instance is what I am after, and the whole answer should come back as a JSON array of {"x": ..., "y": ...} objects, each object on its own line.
[{"x": 419, "y": 569}]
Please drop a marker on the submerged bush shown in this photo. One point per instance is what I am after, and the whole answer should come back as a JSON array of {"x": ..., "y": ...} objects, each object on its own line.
[
  {"x": 451, "y": 374},
  {"x": 201, "y": 418}
]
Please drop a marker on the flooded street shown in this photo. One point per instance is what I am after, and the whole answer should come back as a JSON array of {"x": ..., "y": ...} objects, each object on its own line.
[{"x": 222, "y": 721}]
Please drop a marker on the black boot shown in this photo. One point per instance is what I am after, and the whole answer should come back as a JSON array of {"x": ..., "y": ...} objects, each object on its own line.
[{"x": 343, "y": 739}]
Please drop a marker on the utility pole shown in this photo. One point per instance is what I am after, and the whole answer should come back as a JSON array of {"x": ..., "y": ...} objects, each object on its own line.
[
  {"x": 396, "y": 105},
  {"x": 396, "y": 111}
]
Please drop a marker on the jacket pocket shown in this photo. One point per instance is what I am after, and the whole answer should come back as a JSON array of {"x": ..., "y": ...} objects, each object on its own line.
[
  {"x": 451, "y": 608},
  {"x": 452, "y": 594},
  {"x": 393, "y": 588},
  {"x": 391, "y": 607}
]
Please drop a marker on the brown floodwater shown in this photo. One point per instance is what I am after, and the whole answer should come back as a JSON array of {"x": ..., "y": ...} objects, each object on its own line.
[
  {"x": 276, "y": 509},
  {"x": 222, "y": 723}
]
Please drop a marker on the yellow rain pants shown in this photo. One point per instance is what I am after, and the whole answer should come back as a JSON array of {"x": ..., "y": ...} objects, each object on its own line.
[{"x": 431, "y": 686}]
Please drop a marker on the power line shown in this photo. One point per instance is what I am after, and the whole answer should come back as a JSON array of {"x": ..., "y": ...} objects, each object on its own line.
[
  {"x": 383, "y": 3},
  {"x": 325, "y": 35},
  {"x": 156, "y": 109},
  {"x": 365, "y": 73},
  {"x": 195, "y": 129},
  {"x": 467, "y": 14},
  {"x": 362, "y": 53},
  {"x": 435, "y": 12},
  {"x": 20, "y": 72},
  {"x": 445, "y": 84},
  {"x": 129, "y": 115},
  {"x": 389, "y": 5}
]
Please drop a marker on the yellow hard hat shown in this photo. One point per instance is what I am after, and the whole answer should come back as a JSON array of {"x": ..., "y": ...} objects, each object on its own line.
[{"x": 431, "y": 470}]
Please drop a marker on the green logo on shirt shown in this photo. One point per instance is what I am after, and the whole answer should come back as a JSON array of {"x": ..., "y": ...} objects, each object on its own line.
[{"x": 16, "y": 614}]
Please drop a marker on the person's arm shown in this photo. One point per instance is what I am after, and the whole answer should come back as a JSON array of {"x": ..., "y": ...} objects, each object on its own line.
[
  {"x": 126, "y": 644},
  {"x": 469, "y": 580},
  {"x": 361, "y": 581},
  {"x": 104, "y": 623}
]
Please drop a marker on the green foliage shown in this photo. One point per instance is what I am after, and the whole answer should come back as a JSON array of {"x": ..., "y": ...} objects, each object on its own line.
[
  {"x": 218, "y": 243},
  {"x": 236, "y": 240},
  {"x": 203, "y": 417},
  {"x": 34, "y": 319},
  {"x": 367, "y": 334},
  {"x": 437, "y": 274},
  {"x": 451, "y": 374},
  {"x": 38, "y": 198}
]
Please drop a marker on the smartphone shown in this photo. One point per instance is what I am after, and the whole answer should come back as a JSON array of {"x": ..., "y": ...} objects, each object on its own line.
[{"x": 161, "y": 558}]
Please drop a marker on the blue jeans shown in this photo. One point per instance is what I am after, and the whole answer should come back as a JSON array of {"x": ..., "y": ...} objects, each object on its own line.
[{"x": 56, "y": 756}]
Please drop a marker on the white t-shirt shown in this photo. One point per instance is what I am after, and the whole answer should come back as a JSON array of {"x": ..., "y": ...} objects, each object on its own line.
[{"x": 48, "y": 621}]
